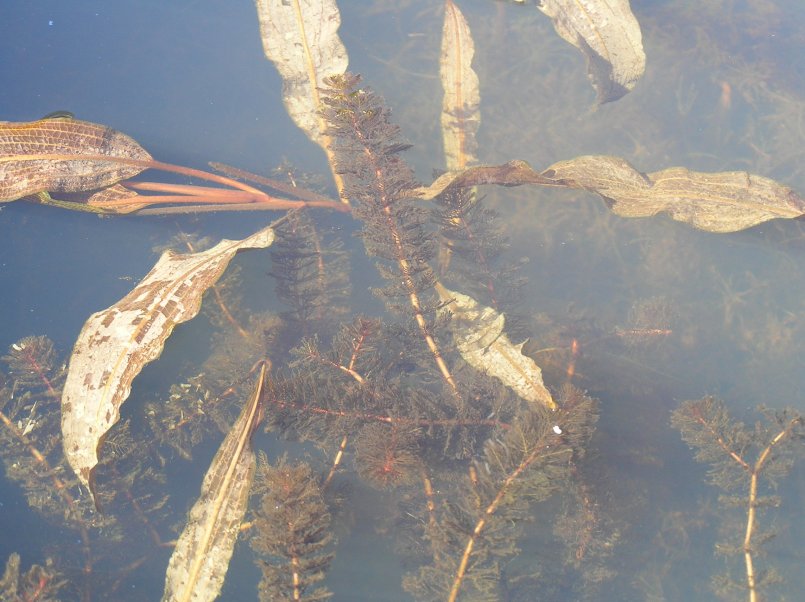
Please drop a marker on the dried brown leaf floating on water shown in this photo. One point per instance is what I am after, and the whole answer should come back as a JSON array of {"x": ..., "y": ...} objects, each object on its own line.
[
  {"x": 717, "y": 202},
  {"x": 461, "y": 115},
  {"x": 481, "y": 341},
  {"x": 32, "y": 157},
  {"x": 513, "y": 173},
  {"x": 116, "y": 343},
  {"x": 198, "y": 565},
  {"x": 608, "y": 34},
  {"x": 301, "y": 38}
]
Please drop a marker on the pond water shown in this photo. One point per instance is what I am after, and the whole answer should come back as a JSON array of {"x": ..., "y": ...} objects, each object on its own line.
[{"x": 642, "y": 314}]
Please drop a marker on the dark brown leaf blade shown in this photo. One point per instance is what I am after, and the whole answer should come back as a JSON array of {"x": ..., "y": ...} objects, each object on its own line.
[
  {"x": 513, "y": 173},
  {"x": 116, "y": 343},
  {"x": 32, "y": 157},
  {"x": 199, "y": 562},
  {"x": 715, "y": 202}
]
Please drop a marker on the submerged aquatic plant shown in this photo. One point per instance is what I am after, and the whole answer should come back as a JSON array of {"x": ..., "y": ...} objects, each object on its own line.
[
  {"x": 745, "y": 463},
  {"x": 433, "y": 402}
]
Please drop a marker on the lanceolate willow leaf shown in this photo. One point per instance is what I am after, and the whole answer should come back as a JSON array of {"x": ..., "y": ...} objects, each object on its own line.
[
  {"x": 461, "y": 113},
  {"x": 116, "y": 343},
  {"x": 481, "y": 341},
  {"x": 717, "y": 202},
  {"x": 198, "y": 565},
  {"x": 301, "y": 38},
  {"x": 22, "y": 174},
  {"x": 608, "y": 34}
]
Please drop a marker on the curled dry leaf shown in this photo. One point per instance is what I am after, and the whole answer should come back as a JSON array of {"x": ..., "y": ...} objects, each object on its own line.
[
  {"x": 513, "y": 173},
  {"x": 716, "y": 202},
  {"x": 116, "y": 343},
  {"x": 117, "y": 194},
  {"x": 461, "y": 115},
  {"x": 478, "y": 333},
  {"x": 608, "y": 34},
  {"x": 32, "y": 157},
  {"x": 199, "y": 562}
]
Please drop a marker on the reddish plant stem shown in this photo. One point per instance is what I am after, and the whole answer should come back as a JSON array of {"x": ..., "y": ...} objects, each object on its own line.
[
  {"x": 61, "y": 489},
  {"x": 258, "y": 196},
  {"x": 31, "y": 359},
  {"x": 698, "y": 417},
  {"x": 336, "y": 462},
  {"x": 538, "y": 452},
  {"x": 389, "y": 419},
  {"x": 385, "y": 200},
  {"x": 292, "y": 189}
]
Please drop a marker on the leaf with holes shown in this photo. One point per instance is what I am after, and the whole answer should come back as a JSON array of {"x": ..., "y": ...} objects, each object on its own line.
[
  {"x": 481, "y": 341},
  {"x": 116, "y": 343}
]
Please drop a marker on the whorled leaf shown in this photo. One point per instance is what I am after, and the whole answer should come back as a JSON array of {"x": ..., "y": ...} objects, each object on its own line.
[
  {"x": 608, "y": 34},
  {"x": 32, "y": 157},
  {"x": 116, "y": 343},
  {"x": 199, "y": 562},
  {"x": 461, "y": 115},
  {"x": 717, "y": 202},
  {"x": 481, "y": 341}
]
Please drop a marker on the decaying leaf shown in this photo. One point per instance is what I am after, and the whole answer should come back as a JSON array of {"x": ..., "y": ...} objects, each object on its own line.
[
  {"x": 608, "y": 34},
  {"x": 301, "y": 38},
  {"x": 116, "y": 343},
  {"x": 461, "y": 115},
  {"x": 32, "y": 157},
  {"x": 513, "y": 173},
  {"x": 199, "y": 562},
  {"x": 116, "y": 195},
  {"x": 716, "y": 202},
  {"x": 478, "y": 333}
]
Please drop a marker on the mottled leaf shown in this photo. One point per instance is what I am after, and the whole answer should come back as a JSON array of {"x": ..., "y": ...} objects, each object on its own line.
[
  {"x": 35, "y": 157},
  {"x": 301, "y": 38},
  {"x": 481, "y": 341},
  {"x": 608, "y": 34},
  {"x": 116, "y": 343},
  {"x": 461, "y": 115},
  {"x": 716, "y": 202},
  {"x": 199, "y": 562}
]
